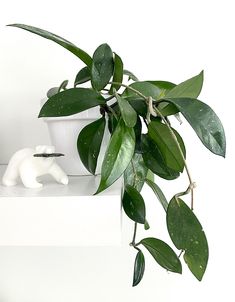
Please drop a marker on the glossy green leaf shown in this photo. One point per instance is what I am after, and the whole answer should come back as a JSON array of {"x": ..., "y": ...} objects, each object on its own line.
[
  {"x": 81, "y": 54},
  {"x": 139, "y": 106},
  {"x": 146, "y": 88},
  {"x": 162, "y": 136},
  {"x": 163, "y": 254},
  {"x": 158, "y": 192},
  {"x": 130, "y": 75},
  {"x": 133, "y": 204},
  {"x": 190, "y": 88},
  {"x": 167, "y": 109},
  {"x": 83, "y": 76},
  {"x": 164, "y": 86},
  {"x": 112, "y": 123},
  {"x": 128, "y": 113},
  {"x": 138, "y": 268},
  {"x": 154, "y": 160},
  {"x": 118, "y": 155},
  {"x": 71, "y": 101},
  {"x": 205, "y": 123},
  {"x": 102, "y": 66},
  {"x": 117, "y": 74},
  {"x": 187, "y": 234},
  {"x": 135, "y": 173},
  {"x": 138, "y": 132},
  {"x": 89, "y": 143}
]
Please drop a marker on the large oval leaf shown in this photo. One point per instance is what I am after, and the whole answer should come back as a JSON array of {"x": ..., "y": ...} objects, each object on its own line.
[
  {"x": 136, "y": 172},
  {"x": 144, "y": 87},
  {"x": 163, "y": 254},
  {"x": 117, "y": 74},
  {"x": 190, "y": 88},
  {"x": 89, "y": 142},
  {"x": 168, "y": 147},
  {"x": 164, "y": 86},
  {"x": 128, "y": 113},
  {"x": 118, "y": 155},
  {"x": 81, "y": 54},
  {"x": 102, "y": 66},
  {"x": 165, "y": 108},
  {"x": 187, "y": 234},
  {"x": 158, "y": 192},
  {"x": 138, "y": 268},
  {"x": 154, "y": 160},
  {"x": 133, "y": 204},
  {"x": 83, "y": 76},
  {"x": 139, "y": 105},
  {"x": 71, "y": 101},
  {"x": 205, "y": 123}
]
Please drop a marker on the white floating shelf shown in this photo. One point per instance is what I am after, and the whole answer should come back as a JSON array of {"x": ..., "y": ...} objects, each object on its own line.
[{"x": 58, "y": 215}]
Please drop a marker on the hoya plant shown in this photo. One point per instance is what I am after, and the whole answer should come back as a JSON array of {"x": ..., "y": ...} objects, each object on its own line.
[{"x": 142, "y": 144}]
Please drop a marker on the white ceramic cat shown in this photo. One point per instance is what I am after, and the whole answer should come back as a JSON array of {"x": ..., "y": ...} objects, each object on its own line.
[{"x": 27, "y": 167}]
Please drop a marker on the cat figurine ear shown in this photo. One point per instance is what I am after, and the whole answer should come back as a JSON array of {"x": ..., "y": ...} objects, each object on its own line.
[{"x": 27, "y": 164}]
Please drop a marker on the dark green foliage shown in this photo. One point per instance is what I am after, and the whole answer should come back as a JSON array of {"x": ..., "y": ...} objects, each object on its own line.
[{"x": 142, "y": 144}]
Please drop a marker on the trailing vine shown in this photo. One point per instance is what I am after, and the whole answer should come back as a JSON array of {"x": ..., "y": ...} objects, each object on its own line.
[{"x": 137, "y": 156}]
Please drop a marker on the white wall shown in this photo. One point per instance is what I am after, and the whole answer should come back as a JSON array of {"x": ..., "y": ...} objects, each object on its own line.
[{"x": 168, "y": 40}]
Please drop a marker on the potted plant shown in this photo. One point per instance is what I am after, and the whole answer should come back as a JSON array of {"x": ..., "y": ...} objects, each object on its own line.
[{"x": 137, "y": 154}]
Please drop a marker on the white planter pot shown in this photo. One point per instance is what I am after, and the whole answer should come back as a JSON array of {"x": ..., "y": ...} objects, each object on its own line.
[{"x": 64, "y": 132}]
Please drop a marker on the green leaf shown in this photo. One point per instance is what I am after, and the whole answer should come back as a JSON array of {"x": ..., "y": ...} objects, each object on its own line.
[
  {"x": 146, "y": 88},
  {"x": 163, "y": 254},
  {"x": 138, "y": 268},
  {"x": 102, "y": 66},
  {"x": 71, "y": 101},
  {"x": 162, "y": 136},
  {"x": 139, "y": 106},
  {"x": 117, "y": 74},
  {"x": 138, "y": 103},
  {"x": 154, "y": 160},
  {"x": 130, "y": 75},
  {"x": 133, "y": 204},
  {"x": 118, "y": 155},
  {"x": 83, "y": 76},
  {"x": 167, "y": 109},
  {"x": 158, "y": 192},
  {"x": 128, "y": 113},
  {"x": 89, "y": 142},
  {"x": 138, "y": 132},
  {"x": 205, "y": 123},
  {"x": 135, "y": 173},
  {"x": 190, "y": 88},
  {"x": 81, "y": 54},
  {"x": 112, "y": 123},
  {"x": 187, "y": 234},
  {"x": 164, "y": 86}
]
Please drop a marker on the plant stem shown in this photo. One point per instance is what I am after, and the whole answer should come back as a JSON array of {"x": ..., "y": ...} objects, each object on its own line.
[
  {"x": 128, "y": 87},
  {"x": 191, "y": 183},
  {"x": 134, "y": 235},
  {"x": 150, "y": 99},
  {"x": 113, "y": 112}
]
